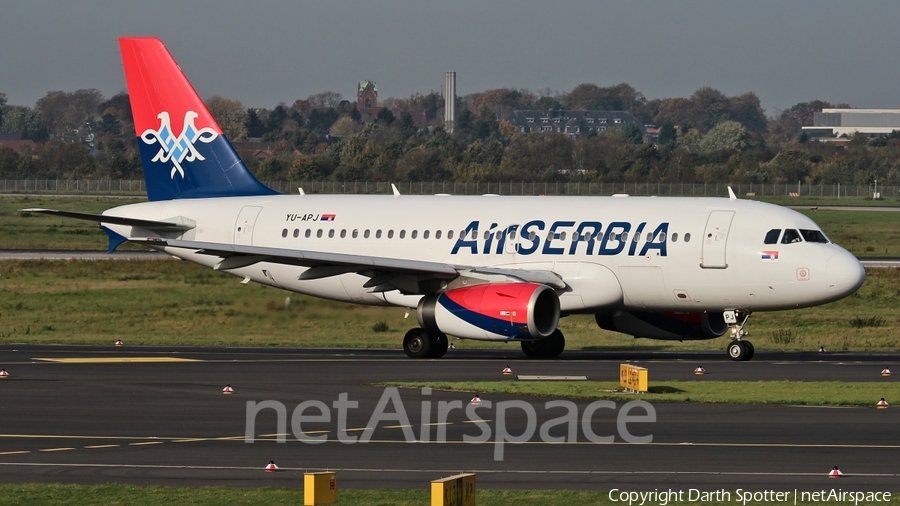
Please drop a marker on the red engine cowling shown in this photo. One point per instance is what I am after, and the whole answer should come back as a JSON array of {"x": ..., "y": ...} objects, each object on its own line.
[
  {"x": 492, "y": 311},
  {"x": 670, "y": 326}
]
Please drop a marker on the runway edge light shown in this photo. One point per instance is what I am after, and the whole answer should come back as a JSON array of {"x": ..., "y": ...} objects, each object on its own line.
[
  {"x": 886, "y": 371},
  {"x": 319, "y": 488},
  {"x": 835, "y": 473},
  {"x": 882, "y": 404},
  {"x": 475, "y": 400},
  {"x": 457, "y": 490},
  {"x": 700, "y": 370},
  {"x": 119, "y": 342},
  {"x": 227, "y": 390},
  {"x": 3, "y": 374},
  {"x": 271, "y": 467},
  {"x": 507, "y": 370}
]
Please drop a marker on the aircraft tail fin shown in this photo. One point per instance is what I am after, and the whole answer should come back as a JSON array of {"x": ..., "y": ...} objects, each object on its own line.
[{"x": 184, "y": 152}]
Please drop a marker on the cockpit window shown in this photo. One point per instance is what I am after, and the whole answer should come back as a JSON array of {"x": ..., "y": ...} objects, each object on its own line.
[
  {"x": 790, "y": 236},
  {"x": 772, "y": 236},
  {"x": 813, "y": 236}
]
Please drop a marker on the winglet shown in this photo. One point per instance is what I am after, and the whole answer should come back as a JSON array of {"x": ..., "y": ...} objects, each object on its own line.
[
  {"x": 731, "y": 194},
  {"x": 396, "y": 191}
]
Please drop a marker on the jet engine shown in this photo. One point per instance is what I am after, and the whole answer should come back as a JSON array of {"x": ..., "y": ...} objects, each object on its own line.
[
  {"x": 500, "y": 311},
  {"x": 671, "y": 326}
]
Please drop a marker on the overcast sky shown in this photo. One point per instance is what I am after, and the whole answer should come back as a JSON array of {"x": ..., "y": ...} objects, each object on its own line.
[{"x": 267, "y": 52}]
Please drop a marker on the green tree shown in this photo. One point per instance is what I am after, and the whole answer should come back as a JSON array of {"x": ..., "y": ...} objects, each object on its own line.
[
  {"x": 667, "y": 134},
  {"x": 2, "y": 104},
  {"x": 254, "y": 126},
  {"x": 64, "y": 113},
  {"x": 27, "y": 121},
  {"x": 230, "y": 115},
  {"x": 726, "y": 135},
  {"x": 633, "y": 134}
]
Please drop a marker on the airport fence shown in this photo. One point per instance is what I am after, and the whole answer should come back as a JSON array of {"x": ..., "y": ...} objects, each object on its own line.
[{"x": 137, "y": 187}]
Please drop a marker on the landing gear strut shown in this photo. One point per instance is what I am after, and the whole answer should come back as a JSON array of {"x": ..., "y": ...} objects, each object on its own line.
[
  {"x": 549, "y": 347},
  {"x": 419, "y": 343},
  {"x": 738, "y": 349}
]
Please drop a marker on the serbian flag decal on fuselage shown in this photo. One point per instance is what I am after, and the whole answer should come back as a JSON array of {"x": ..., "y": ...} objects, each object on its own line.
[
  {"x": 769, "y": 256},
  {"x": 328, "y": 217}
]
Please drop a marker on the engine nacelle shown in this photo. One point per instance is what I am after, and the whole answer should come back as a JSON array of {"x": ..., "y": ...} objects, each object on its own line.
[
  {"x": 670, "y": 326},
  {"x": 492, "y": 311}
]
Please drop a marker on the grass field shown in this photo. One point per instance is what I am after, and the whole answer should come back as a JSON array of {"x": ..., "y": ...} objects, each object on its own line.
[
  {"x": 177, "y": 303},
  {"x": 812, "y": 393},
  {"x": 115, "y": 495}
]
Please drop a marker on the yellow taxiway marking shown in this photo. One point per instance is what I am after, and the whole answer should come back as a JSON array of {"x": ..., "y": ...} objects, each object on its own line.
[
  {"x": 146, "y": 443},
  {"x": 55, "y": 449},
  {"x": 190, "y": 440},
  {"x": 14, "y": 453},
  {"x": 93, "y": 447},
  {"x": 116, "y": 360}
]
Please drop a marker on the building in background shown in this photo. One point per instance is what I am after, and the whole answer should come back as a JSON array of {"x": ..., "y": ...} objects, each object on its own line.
[
  {"x": 835, "y": 123},
  {"x": 574, "y": 124}
]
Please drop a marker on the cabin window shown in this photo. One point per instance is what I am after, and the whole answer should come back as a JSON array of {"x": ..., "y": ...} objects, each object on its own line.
[
  {"x": 403, "y": 234},
  {"x": 624, "y": 236},
  {"x": 497, "y": 235},
  {"x": 790, "y": 236},
  {"x": 512, "y": 234},
  {"x": 662, "y": 237},
  {"x": 296, "y": 233},
  {"x": 425, "y": 234},
  {"x": 390, "y": 234},
  {"x": 378, "y": 234},
  {"x": 343, "y": 233},
  {"x": 562, "y": 236},
  {"x": 319, "y": 233},
  {"x": 687, "y": 237},
  {"x": 308, "y": 233},
  {"x": 772, "y": 236},
  {"x": 474, "y": 234},
  {"x": 814, "y": 236},
  {"x": 449, "y": 234},
  {"x": 355, "y": 233},
  {"x": 413, "y": 234},
  {"x": 366, "y": 234},
  {"x": 284, "y": 233},
  {"x": 649, "y": 236},
  {"x": 437, "y": 234},
  {"x": 331, "y": 233},
  {"x": 675, "y": 237}
]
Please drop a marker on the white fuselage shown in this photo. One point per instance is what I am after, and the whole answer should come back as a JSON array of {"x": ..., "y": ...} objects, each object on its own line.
[{"x": 703, "y": 254}]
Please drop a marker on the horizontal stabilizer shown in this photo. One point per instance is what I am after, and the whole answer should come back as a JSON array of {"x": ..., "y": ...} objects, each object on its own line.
[{"x": 155, "y": 226}]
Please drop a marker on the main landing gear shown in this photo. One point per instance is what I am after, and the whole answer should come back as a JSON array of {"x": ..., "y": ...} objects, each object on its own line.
[
  {"x": 419, "y": 343},
  {"x": 738, "y": 349},
  {"x": 549, "y": 347}
]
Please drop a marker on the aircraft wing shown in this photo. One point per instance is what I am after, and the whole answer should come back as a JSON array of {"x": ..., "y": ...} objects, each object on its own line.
[{"x": 409, "y": 276}]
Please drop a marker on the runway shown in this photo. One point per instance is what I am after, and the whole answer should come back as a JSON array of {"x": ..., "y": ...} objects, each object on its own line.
[{"x": 157, "y": 416}]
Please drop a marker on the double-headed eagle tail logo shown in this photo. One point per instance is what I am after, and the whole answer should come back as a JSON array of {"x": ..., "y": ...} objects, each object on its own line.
[{"x": 183, "y": 147}]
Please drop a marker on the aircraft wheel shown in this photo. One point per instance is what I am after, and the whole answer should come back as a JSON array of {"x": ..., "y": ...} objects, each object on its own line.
[
  {"x": 549, "y": 347},
  {"x": 556, "y": 343},
  {"x": 530, "y": 348},
  {"x": 750, "y": 350},
  {"x": 737, "y": 351},
  {"x": 417, "y": 343},
  {"x": 439, "y": 344}
]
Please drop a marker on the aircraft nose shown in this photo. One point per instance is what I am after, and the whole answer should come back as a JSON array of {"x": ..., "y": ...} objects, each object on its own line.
[{"x": 844, "y": 274}]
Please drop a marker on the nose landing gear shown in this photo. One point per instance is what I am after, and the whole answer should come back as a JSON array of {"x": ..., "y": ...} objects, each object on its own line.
[{"x": 738, "y": 349}]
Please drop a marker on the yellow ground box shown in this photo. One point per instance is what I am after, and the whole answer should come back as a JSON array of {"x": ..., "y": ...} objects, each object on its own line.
[
  {"x": 319, "y": 488},
  {"x": 633, "y": 377},
  {"x": 458, "y": 490}
]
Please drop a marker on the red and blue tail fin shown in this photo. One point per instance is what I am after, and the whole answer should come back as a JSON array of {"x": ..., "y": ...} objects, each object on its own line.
[{"x": 184, "y": 152}]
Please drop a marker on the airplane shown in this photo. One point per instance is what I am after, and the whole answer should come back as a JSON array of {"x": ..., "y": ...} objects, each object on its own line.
[{"x": 496, "y": 268}]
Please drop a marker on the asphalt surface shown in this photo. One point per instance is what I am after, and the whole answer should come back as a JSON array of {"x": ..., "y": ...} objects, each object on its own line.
[{"x": 103, "y": 415}]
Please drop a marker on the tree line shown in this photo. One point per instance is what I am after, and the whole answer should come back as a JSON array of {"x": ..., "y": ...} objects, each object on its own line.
[{"x": 706, "y": 137}]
